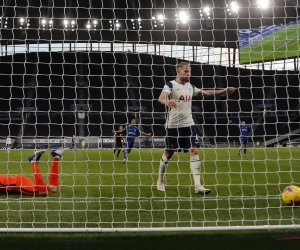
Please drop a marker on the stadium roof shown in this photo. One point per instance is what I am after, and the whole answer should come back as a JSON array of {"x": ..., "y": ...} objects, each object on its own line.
[{"x": 189, "y": 22}]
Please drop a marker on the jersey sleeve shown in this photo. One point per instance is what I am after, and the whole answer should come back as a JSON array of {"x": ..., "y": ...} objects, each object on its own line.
[
  {"x": 196, "y": 91},
  {"x": 168, "y": 87},
  {"x": 137, "y": 130}
]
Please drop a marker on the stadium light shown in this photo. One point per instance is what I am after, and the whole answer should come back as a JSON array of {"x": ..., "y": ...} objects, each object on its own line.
[
  {"x": 160, "y": 17},
  {"x": 21, "y": 20},
  {"x": 117, "y": 25},
  {"x": 183, "y": 17},
  {"x": 44, "y": 21},
  {"x": 66, "y": 22},
  {"x": 234, "y": 7},
  {"x": 153, "y": 17},
  {"x": 88, "y": 26},
  {"x": 263, "y": 4},
  {"x": 206, "y": 9},
  {"x": 139, "y": 19},
  {"x": 132, "y": 20},
  {"x": 95, "y": 22},
  {"x": 73, "y": 22},
  {"x": 50, "y": 22}
]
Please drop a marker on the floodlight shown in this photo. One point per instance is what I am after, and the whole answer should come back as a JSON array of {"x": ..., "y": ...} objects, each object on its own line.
[
  {"x": 234, "y": 7},
  {"x": 263, "y": 4},
  {"x": 160, "y": 17}
]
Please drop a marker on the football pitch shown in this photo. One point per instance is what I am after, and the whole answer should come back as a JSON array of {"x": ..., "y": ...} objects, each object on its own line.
[{"x": 98, "y": 190}]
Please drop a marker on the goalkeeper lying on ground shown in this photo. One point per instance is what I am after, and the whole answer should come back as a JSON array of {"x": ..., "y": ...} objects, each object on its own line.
[{"x": 20, "y": 184}]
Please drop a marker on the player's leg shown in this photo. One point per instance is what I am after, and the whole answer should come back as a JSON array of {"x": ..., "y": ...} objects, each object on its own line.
[
  {"x": 129, "y": 146},
  {"x": 37, "y": 176},
  {"x": 119, "y": 151},
  {"x": 114, "y": 147},
  {"x": 245, "y": 148},
  {"x": 34, "y": 160},
  {"x": 163, "y": 164},
  {"x": 53, "y": 176},
  {"x": 119, "y": 147},
  {"x": 125, "y": 152},
  {"x": 241, "y": 147},
  {"x": 191, "y": 143},
  {"x": 171, "y": 142}
]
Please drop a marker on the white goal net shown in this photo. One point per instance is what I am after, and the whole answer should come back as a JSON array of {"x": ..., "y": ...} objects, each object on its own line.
[{"x": 73, "y": 72}]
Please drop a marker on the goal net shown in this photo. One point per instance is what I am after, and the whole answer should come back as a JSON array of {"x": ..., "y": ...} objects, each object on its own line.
[{"x": 72, "y": 72}]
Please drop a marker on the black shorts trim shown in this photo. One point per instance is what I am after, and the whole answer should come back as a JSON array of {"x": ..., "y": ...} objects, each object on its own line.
[{"x": 178, "y": 139}]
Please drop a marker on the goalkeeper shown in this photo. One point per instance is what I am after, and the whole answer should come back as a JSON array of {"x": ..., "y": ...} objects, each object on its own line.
[
  {"x": 20, "y": 184},
  {"x": 177, "y": 95}
]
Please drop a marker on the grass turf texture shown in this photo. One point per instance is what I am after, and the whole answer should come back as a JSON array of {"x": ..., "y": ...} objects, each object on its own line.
[
  {"x": 246, "y": 240},
  {"x": 99, "y": 191},
  {"x": 273, "y": 46}
]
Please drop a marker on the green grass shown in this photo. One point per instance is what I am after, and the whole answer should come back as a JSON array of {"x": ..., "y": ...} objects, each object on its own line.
[
  {"x": 273, "y": 47},
  {"x": 99, "y": 191},
  {"x": 206, "y": 240}
]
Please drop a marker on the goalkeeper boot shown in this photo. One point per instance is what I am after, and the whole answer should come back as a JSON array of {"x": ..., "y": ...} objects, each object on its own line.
[
  {"x": 202, "y": 190},
  {"x": 35, "y": 157},
  {"x": 58, "y": 152},
  {"x": 160, "y": 186}
]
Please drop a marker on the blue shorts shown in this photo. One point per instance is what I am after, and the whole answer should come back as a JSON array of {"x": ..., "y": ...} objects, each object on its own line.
[
  {"x": 244, "y": 140},
  {"x": 182, "y": 138},
  {"x": 129, "y": 144}
]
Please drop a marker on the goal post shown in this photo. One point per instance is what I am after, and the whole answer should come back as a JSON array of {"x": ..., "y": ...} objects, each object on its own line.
[{"x": 74, "y": 73}]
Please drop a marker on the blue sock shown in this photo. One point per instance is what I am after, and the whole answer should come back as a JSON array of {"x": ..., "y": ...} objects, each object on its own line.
[
  {"x": 245, "y": 151},
  {"x": 125, "y": 155}
]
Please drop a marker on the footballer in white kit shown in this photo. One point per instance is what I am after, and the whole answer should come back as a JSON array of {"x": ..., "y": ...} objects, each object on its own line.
[
  {"x": 8, "y": 142},
  {"x": 181, "y": 133}
]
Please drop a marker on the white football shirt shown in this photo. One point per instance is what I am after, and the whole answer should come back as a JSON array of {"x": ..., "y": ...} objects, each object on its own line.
[
  {"x": 182, "y": 94},
  {"x": 8, "y": 141}
]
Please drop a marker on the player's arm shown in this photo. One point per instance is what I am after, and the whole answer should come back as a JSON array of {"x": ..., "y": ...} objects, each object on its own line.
[
  {"x": 164, "y": 96},
  {"x": 145, "y": 134},
  {"x": 203, "y": 92},
  {"x": 231, "y": 122},
  {"x": 118, "y": 131}
]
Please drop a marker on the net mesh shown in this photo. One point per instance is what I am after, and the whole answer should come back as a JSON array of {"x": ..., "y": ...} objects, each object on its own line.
[{"x": 71, "y": 73}]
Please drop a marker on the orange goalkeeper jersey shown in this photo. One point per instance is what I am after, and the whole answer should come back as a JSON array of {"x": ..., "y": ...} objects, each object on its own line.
[{"x": 17, "y": 184}]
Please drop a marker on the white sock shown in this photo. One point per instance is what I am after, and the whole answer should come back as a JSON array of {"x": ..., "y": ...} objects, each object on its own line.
[
  {"x": 195, "y": 169},
  {"x": 162, "y": 168}
]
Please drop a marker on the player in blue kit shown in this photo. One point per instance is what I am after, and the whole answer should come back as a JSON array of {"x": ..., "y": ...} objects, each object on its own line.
[
  {"x": 73, "y": 146},
  {"x": 244, "y": 135},
  {"x": 131, "y": 132}
]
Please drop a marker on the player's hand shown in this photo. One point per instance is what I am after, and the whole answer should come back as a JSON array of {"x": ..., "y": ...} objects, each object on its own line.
[
  {"x": 113, "y": 131},
  {"x": 264, "y": 112},
  {"x": 171, "y": 104},
  {"x": 229, "y": 121},
  {"x": 229, "y": 90},
  {"x": 149, "y": 134}
]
